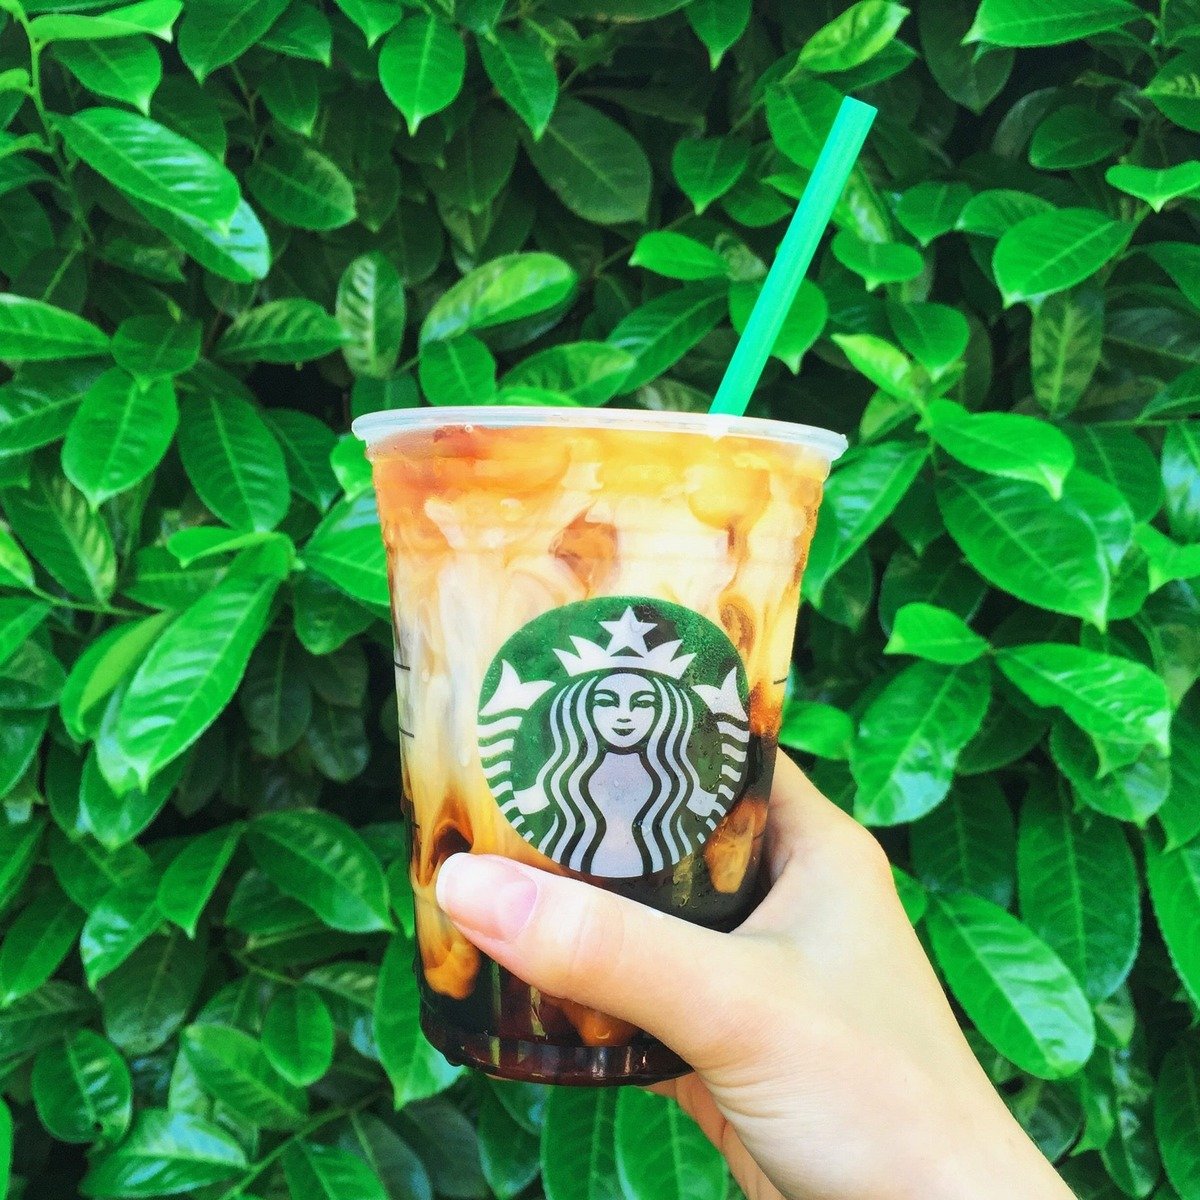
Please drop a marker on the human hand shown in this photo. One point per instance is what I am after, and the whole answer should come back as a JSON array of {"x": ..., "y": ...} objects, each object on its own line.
[{"x": 827, "y": 1062}]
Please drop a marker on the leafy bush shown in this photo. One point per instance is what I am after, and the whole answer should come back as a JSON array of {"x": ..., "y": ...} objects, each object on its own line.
[{"x": 204, "y": 971}]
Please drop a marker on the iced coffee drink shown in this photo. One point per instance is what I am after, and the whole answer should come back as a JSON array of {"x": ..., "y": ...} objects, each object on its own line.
[{"x": 593, "y": 617}]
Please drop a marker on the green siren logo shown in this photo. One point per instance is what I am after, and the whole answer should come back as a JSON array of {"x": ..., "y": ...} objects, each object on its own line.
[{"x": 614, "y": 733}]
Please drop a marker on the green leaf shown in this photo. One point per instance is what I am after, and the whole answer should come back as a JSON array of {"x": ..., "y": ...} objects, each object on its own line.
[
  {"x": 509, "y": 1153},
  {"x": 477, "y": 163},
  {"x": 934, "y": 334},
  {"x": 36, "y": 944},
  {"x": 275, "y": 697},
  {"x": 1053, "y": 251},
  {"x": 316, "y": 859},
  {"x": 706, "y": 168},
  {"x": 302, "y": 32},
  {"x": 877, "y": 262},
  {"x": 147, "y": 16},
  {"x": 292, "y": 95},
  {"x": 910, "y": 737},
  {"x": 525, "y": 78},
  {"x": 860, "y": 495},
  {"x": 421, "y": 67},
  {"x": 67, "y": 538},
  {"x": 298, "y": 1036},
  {"x": 127, "y": 69},
  {"x": 416, "y": 1070},
  {"x": 238, "y": 251},
  {"x": 233, "y": 460},
  {"x": 1079, "y": 890},
  {"x": 82, "y": 1089},
  {"x": 1074, "y": 136},
  {"x": 1129, "y": 792},
  {"x": 591, "y": 373},
  {"x": 19, "y": 617},
  {"x": 1180, "y": 815},
  {"x": 33, "y": 331},
  {"x": 233, "y": 1067},
  {"x": 118, "y": 925},
  {"x": 1181, "y": 480},
  {"x": 1174, "y": 91},
  {"x": 662, "y": 331},
  {"x": 1177, "y": 1116},
  {"x": 508, "y": 288},
  {"x": 584, "y": 1117},
  {"x": 677, "y": 257},
  {"x": 1064, "y": 347},
  {"x": 166, "y": 1153},
  {"x": 371, "y": 311},
  {"x": 662, "y": 1154},
  {"x": 852, "y": 37},
  {"x": 154, "y": 347},
  {"x": 403, "y": 1174},
  {"x": 1158, "y": 187},
  {"x": 804, "y": 323},
  {"x": 151, "y": 163},
  {"x": 593, "y": 165},
  {"x": 969, "y": 75},
  {"x": 307, "y": 444},
  {"x": 15, "y": 568},
  {"x": 968, "y": 843},
  {"x": 299, "y": 186},
  {"x": 459, "y": 371},
  {"x": 18, "y": 842},
  {"x": 282, "y": 331},
  {"x": 317, "y": 1172},
  {"x": 1174, "y": 877},
  {"x": 191, "y": 879},
  {"x": 1112, "y": 698},
  {"x": 1008, "y": 445},
  {"x": 993, "y": 213},
  {"x": 1129, "y": 1154},
  {"x": 147, "y": 999},
  {"x": 347, "y": 549},
  {"x": 1122, "y": 459},
  {"x": 719, "y": 24},
  {"x": 931, "y": 209},
  {"x": 1012, "y": 985},
  {"x": 1030, "y": 23},
  {"x": 373, "y": 17},
  {"x": 215, "y": 32},
  {"x": 119, "y": 434},
  {"x": 815, "y": 728},
  {"x": 933, "y": 633},
  {"x": 191, "y": 673},
  {"x": 1046, "y": 552},
  {"x": 800, "y": 113}
]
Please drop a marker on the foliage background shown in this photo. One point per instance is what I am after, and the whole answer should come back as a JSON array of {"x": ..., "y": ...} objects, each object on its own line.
[{"x": 227, "y": 228}]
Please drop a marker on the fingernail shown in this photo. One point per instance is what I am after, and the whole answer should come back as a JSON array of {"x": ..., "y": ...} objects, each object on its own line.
[{"x": 485, "y": 894}]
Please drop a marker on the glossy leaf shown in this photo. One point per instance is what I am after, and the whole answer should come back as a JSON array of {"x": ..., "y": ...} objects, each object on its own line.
[
  {"x": 36, "y": 944},
  {"x": 1177, "y": 1116},
  {"x": 166, "y": 1153},
  {"x": 152, "y": 163},
  {"x": 662, "y": 1153},
  {"x": 910, "y": 737},
  {"x": 421, "y": 67},
  {"x": 1079, "y": 891},
  {"x": 933, "y": 633},
  {"x": 592, "y": 164},
  {"x": 1064, "y": 347},
  {"x": 317, "y": 1172},
  {"x": 1174, "y": 877},
  {"x": 298, "y": 1036},
  {"x": 233, "y": 461},
  {"x": 34, "y": 331},
  {"x": 215, "y": 32},
  {"x": 580, "y": 1117},
  {"x": 1012, "y": 985},
  {"x": 413, "y": 1066},
  {"x": 1028, "y": 23},
  {"x": 191, "y": 673},
  {"x": 853, "y": 36},
  {"x": 127, "y": 68},
  {"x": 371, "y": 311},
  {"x": 301, "y": 186},
  {"x": 518, "y": 67},
  {"x": 188, "y": 883},
  {"x": 318, "y": 860},
  {"x": 347, "y": 549},
  {"x": 82, "y": 1089}
]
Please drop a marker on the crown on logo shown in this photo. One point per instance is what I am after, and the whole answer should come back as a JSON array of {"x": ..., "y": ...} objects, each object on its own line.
[{"x": 626, "y": 649}]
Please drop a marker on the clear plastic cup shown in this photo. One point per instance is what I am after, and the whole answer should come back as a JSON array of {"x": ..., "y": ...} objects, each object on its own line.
[{"x": 593, "y": 616}]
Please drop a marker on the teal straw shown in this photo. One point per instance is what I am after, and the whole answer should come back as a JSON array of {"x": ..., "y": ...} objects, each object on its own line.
[{"x": 795, "y": 253}]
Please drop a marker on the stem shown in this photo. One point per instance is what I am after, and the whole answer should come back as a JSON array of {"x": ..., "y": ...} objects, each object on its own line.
[
  {"x": 318, "y": 1122},
  {"x": 109, "y": 610},
  {"x": 266, "y": 972}
]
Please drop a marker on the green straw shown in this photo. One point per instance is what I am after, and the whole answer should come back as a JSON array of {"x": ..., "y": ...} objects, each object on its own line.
[{"x": 795, "y": 253}]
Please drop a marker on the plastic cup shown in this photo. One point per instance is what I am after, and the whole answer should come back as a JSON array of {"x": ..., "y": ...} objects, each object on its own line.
[{"x": 593, "y": 617}]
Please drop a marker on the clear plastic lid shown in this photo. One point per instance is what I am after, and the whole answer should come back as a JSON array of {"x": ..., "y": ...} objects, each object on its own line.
[{"x": 377, "y": 426}]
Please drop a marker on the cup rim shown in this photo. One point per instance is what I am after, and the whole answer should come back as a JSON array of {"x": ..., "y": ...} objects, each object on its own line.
[{"x": 374, "y": 427}]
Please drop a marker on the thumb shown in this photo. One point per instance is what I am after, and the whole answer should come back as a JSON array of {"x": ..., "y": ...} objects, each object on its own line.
[{"x": 681, "y": 983}]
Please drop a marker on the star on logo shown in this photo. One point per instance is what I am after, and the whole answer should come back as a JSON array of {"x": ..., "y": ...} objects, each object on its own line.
[{"x": 628, "y": 632}]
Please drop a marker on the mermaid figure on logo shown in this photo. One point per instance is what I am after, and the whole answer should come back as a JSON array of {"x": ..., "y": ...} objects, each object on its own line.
[{"x": 612, "y": 797}]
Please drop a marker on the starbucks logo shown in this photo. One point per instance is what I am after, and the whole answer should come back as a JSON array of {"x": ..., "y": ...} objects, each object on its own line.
[{"x": 614, "y": 733}]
